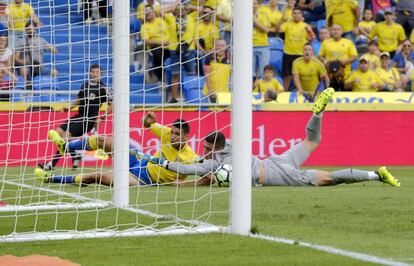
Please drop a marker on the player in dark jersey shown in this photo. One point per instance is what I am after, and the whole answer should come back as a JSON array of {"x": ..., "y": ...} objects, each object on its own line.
[{"x": 91, "y": 96}]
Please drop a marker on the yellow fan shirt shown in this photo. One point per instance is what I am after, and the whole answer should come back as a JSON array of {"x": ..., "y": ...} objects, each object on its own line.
[
  {"x": 18, "y": 16},
  {"x": 274, "y": 15},
  {"x": 188, "y": 35},
  {"x": 366, "y": 79},
  {"x": 209, "y": 33},
  {"x": 367, "y": 24},
  {"x": 388, "y": 36},
  {"x": 186, "y": 156},
  {"x": 338, "y": 50},
  {"x": 373, "y": 60},
  {"x": 296, "y": 37},
  {"x": 220, "y": 71},
  {"x": 342, "y": 13},
  {"x": 264, "y": 85},
  {"x": 210, "y": 3},
  {"x": 260, "y": 37},
  {"x": 388, "y": 76},
  {"x": 156, "y": 30},
  {"x": 140, "y": 11},
  {"x": 309, "y": 73}
]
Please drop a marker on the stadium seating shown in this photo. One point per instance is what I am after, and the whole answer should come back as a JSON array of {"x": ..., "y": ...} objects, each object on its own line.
[
  {"x": 192, "y": 89},
  {"x": 276, "y": 53},
  {"x": 79, "y": 46},
  {"x": 320, "y": 24}
]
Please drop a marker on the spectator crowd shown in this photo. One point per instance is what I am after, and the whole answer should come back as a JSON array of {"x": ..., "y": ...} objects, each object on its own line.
[
  {"x": 22, "y": 49},
  {"x": 350, "y": 45}
]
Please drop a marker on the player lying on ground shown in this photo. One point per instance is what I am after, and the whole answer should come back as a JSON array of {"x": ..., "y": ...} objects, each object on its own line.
[
  {"x": 284, "y": 169},
  {"x": 173, "y": 146}
]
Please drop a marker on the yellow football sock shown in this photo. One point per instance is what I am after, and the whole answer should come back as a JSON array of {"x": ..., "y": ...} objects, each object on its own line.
[
  {"x": 78, "y": 179},
  {"x": 93, "y": 142}
]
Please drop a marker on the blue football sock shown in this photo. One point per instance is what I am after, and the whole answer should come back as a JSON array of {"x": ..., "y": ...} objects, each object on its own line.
[
  {"x": 63, "y": 179},
  {"x": 79, "y": 144}
]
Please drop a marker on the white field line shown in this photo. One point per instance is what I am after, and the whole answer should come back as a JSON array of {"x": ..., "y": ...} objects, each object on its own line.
[
  {"x": 332, "y": 250},
  {"x": 58, "y": 192}
]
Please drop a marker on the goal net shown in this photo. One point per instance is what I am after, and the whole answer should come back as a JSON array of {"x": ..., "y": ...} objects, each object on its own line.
[{"x": 174, "y": 61}]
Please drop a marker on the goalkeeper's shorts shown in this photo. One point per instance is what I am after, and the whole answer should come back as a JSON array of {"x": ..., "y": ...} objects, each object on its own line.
[{"x": 138, "y": 170}]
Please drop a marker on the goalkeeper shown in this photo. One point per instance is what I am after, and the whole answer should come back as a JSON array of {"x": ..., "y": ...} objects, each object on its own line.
[
  {"x": 284, "y": 169},
  {"x": 174, "y": 147}
]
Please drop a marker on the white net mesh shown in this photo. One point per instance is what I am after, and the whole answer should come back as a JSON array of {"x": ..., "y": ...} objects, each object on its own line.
[{"x": 57, "y": 60}]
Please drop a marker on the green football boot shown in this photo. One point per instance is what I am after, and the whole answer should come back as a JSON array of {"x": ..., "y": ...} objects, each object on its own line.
[
  {"x": 58, "y": 140},
  {"x": 386, "y": 177},
  {"x": 323, "y": 100},
  {"x": 42, "y": 175}
]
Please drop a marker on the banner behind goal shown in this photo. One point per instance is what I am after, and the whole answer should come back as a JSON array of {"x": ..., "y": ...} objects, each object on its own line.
[{"x": 140, "y": 72}]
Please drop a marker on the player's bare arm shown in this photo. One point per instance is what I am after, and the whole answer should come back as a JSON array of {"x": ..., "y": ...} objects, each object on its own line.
[{"x": 149, "y": 119}]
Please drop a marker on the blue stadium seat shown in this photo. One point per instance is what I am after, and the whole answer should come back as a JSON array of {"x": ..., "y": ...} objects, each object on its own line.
[
  {"x": 45, "y": 83},
  {"x": 136, "y": 78},
  {"x": 276, "y": 59},
  {"x": 320, "y": 24},
  {"x": 355, "y": 65},
  {"x": 134, "y": 25},
  {"x": 276, "y": 43},
  {"x": 192, "y": 89},
  {"x": 147, "y": 98}
]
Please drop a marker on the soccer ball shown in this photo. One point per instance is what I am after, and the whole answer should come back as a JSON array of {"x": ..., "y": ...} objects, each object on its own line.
[{"x": 223, "y": 174}]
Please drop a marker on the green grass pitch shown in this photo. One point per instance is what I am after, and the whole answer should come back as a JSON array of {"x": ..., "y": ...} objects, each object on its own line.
[{"x": 370, "y": 218}]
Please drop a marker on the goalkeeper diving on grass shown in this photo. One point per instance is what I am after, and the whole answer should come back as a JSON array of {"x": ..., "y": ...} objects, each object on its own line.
[
  {"x": 278, "y": 170},
  {"x": 174, "y": 147}
]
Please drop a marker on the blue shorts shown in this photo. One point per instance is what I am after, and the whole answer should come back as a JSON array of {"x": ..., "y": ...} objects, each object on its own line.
[
  {"x": 186, "y": 60},
  {"x": 138, "y": 169}
]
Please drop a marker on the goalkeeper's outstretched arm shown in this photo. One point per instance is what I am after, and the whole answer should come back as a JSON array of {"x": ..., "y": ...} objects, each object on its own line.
[{"x": 200, "y": 169}]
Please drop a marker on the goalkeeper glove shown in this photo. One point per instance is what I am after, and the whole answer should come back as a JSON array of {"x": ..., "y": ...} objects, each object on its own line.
[{"x": 157, "y": 160}]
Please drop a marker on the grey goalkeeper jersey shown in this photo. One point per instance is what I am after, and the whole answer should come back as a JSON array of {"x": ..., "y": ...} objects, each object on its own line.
[{"x": 207, "y": 166}]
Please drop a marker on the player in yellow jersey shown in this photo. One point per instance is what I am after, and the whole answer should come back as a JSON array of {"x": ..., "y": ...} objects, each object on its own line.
[
  {"x": 309, "y": 74},
  {"x": 390, "y": 34},
  {"x": 364, "y": 79},
  {"x": 155, "y": 35},
  {"x": 173, "y": 146}
]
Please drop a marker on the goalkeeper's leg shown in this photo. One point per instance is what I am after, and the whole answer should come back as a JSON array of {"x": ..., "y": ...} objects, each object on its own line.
[
  {"x": 299, "y": 153},
  {"x": 348, "y": 176}
]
